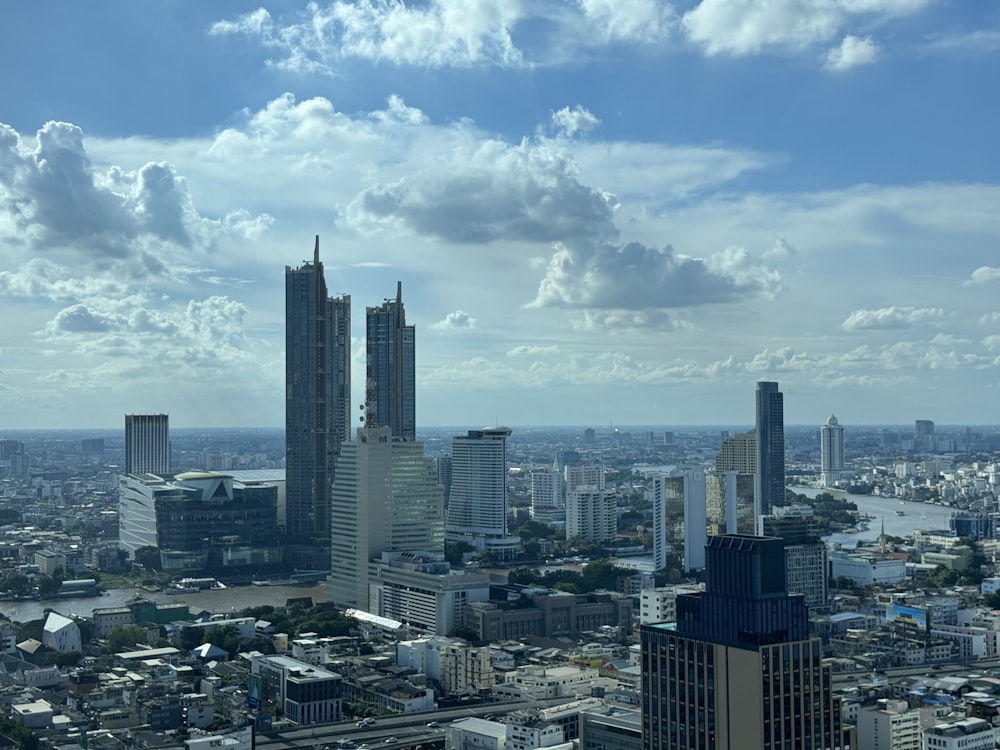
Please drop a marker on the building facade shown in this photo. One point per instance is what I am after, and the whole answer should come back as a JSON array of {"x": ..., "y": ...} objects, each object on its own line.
[
  {"x": 147, "y": 444},
  {"x": 680, "y": 519},
  {"x": 390, "y": 385},
  {"x": 201, "y": 522},
  {"x": 769, "y": 487},
  {"x": 590, "y": 514},
  {"x": 386, "y": 498},
  {"x": 317, "y": 396},
  {"x": 831, "y": 452},
  {"x": 477, "y": 506},
  {"x": 738, "y": 670}
]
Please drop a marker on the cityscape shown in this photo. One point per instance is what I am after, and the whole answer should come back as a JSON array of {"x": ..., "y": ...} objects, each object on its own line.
[{"x": 499, "y": 375}]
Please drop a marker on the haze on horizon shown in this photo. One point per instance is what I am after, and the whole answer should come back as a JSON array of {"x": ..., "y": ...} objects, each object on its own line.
[{"x": 600, "y": 212}]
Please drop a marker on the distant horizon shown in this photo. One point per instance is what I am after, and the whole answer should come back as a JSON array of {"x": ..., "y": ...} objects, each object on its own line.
[{"x": 582, "y": 426}]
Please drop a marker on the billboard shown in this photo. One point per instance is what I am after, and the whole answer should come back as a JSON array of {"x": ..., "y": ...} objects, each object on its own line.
[
  {"x": 912, "y": 618},
  {"x": 255, "y": 691}
]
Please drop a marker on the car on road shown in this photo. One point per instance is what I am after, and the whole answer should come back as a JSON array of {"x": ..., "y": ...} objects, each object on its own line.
[
  {"x": 389, "y": 740},
  {"x": 433, "y": 724}
]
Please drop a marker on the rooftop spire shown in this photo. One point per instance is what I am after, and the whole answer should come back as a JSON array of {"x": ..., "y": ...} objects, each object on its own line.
[{"x": 316, "y": 251}]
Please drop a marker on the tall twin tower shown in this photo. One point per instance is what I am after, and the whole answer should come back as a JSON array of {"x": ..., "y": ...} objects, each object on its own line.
[{"x": 318, "y": 388}]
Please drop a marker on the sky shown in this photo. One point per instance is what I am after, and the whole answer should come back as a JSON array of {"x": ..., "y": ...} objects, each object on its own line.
[{"x": 602, "y": 212}]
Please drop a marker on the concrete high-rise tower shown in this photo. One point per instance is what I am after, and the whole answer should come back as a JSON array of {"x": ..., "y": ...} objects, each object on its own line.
[
  {"x": 738, "y": 669},
  {"x": 317, "y": 396},
  {"x": 147, "y": 444},
  {"x": 679, "y": 518},
  {"x": 831, "y": 452},
  {"x": 390, "y": 390},
  {"x": 385, "y": 498},
  {"x": 769, "y": 482},
  {"x": 477, "y": 506}
]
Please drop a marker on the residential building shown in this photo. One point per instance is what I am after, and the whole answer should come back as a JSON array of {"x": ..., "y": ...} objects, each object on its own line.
[
  {"x": 769, "y": 488},
  {"x": 679, "y": 519},
  {"x": 386, "y": 498},
  {"x": 477, "y": 508},
  {"x": 888, "y": 725},
  {"x": 831, "y": 452},
  {"x": 963, "y": 734},
  {"x": 147, "y": 444},
  {"x": 460, "y": 668},
  {"x": 547, "y": 496},
  {"x": 590, "y": 514},
  {"x": 738, "y": 669},
  {"x": 390, "y": 385},
  {"x": 317, "y": 396}
]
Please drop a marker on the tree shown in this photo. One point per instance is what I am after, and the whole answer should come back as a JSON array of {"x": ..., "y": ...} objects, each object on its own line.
[
  {"x": 125, "y": 638},
  {"x": 48, "y": 586},
  {"x": 464, "y": 632},
  {"x": 149, "y": 558},
  {"x": 16, "y": 584}
]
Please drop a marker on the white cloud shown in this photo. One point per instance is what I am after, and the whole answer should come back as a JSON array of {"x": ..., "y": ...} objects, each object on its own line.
[
  {"x": 747, "y": 27},
  {"x": 492, "y": 191},
  {"x": 892, "y": 317},
  {"x": 457, "y": 320},
  {"x": 444, "y": 33},
  {"x": 984, "y": 275},
  {"x": 630, "y": 20},
  {"x": 57, "y": 203},
  {"x": 636, "y": 277},
  {"x": 851, "y": 52},
  {"x": 568, "y": 122}
]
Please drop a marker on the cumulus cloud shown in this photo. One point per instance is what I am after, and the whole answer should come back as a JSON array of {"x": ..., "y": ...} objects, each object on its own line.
[
  {"x": 892, "y": 317},
  {"x": 636, "y": 277},
  {"x": 851, "y": 52},
  {"x": 625, "y": 320},
  {"x": 492, "y": 191},
  {"x": 54, "y": 200},
  {"x": 984, "y": 275},
  {"x": 747, "y": 27},
  {"x": 455, "y": 321},
  {"x": 569, "y": 122}
]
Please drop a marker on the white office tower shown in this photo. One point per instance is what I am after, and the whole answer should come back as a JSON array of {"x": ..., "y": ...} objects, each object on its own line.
[
  {"x": 385, "y": 499},
  {"x": 147, "y": 444},
  {"x": 590, "y": 514},
  {"x": 477, "y": 507},
  {"x": 679, "y": 519},
  {"x": 579, "y": 475},
  {"x": 546, "y": 496},
  {"x": 831, "y": 452}
]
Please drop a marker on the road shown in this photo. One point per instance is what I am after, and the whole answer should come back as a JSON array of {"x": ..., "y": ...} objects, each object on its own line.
[{"x": 409, "y": 730}]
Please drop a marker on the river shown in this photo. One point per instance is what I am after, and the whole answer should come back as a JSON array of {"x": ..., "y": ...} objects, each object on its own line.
[
  {"x": 235, "y": 598},
  {"x": 886, "y": 510}
]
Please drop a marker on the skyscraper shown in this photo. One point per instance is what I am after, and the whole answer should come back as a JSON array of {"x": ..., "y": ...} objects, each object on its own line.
[
  {"x": 738, "y": 669},
  {"x": 769, "y": 484},
  {"x": 390, "y": 389},
  {"x": 147, "y": 444},
  {"x": 679, "y": 518},
  {"x": 317, "y": 396},
  {"x": 831, "y": 452},
  {"x": 385, "y": 498},
  {"x": 477, "y": 507}
]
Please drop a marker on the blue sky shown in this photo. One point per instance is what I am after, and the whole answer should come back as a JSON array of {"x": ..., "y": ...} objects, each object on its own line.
[{"x": 600, "y": 211}]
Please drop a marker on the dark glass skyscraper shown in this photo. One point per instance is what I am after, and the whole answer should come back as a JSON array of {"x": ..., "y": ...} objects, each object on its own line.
[
  {"x": 769, "y": 485},
  {"x": 390, "y": 388},
  {"x": 738, "y": 669},
  {"x": 317, "y": 396}
]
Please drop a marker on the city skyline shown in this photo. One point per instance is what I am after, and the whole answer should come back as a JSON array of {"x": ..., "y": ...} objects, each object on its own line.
[{"x": 602, "y": 213}]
